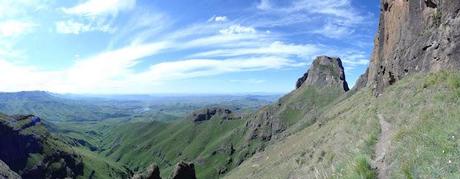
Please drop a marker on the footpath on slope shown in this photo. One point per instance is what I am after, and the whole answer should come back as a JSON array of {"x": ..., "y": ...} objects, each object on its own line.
[{"x": 382, "y": 147}]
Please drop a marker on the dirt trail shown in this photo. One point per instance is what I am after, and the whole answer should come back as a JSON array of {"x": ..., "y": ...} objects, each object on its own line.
[{"x": 382, "y": 147}]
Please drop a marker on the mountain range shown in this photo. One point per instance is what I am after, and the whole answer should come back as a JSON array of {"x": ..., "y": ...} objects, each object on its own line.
[{"x": 400, "y": 120}]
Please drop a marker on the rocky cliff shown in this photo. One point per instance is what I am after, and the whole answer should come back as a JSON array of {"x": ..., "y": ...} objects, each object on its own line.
[
  {"x": 324, "y": 72},
  {"x": 32, "y": 152},
  {"x": 208, "y": 113},
  {"x": 413, "y": 36}
]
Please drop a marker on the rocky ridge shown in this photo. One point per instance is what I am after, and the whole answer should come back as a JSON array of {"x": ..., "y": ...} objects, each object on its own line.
[
  {"x": 208, "y": 113},
  {"x": 32, "y": 152}
]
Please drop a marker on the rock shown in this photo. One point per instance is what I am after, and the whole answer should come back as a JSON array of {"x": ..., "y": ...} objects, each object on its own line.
[
  {"x": 6, "y": 172},
  {"x": 184, "y": 171},
  {"x": 208, "y": 113},
  {"x": 152, "y": 172},
  {"x": 21, "y": 137},
  {"x": 324, "y": 72},
  {"x": 414, "y": 36}
]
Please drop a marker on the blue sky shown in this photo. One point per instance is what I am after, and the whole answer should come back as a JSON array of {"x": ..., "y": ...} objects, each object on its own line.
[{"x": 178, "y": 46}]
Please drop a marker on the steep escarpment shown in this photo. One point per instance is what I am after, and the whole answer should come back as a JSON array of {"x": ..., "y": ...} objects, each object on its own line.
[
  {"x": 28, "y": 149},
  {"x": 323, "y": 83},
  {"x": 413, "y": 36}
]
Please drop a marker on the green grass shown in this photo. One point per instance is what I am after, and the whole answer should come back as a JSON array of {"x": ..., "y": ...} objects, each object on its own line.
[
  {"x": 361, "y": 169},
  {"x": 423, "y": 110}
]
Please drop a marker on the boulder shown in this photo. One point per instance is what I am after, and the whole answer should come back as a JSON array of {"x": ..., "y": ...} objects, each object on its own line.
[{"x": 184, "y": 171}]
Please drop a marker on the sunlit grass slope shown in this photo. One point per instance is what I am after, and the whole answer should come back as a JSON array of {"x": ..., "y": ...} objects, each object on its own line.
[{"x": 425, "y": 117}]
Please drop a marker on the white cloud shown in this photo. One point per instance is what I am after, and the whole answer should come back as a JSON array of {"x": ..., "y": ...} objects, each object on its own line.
[
  {"x": 237, "y": 29},
  {"x": 218, "y": 19},
  {"x": 73, "y": 27},
  {"x": 342, "y": 17},
  {"x": 264, "y": 5},
  {"x": 93, "y": 15},
  {"x": 15, "y": 8},
  {"x": 206, "y": 67},
  {"x": 14, "y": 28},
  {"x": 101, "y": 7},
  {"x": 334, "y": 31},
  {"x": 276, "y": 48},
  {"x": 248, "y": 81}
]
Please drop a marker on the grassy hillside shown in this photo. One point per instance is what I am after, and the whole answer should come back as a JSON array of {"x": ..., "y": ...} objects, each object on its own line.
[
  {"x": 215, "y": 146},
  {"x": 207, "y": 143},
  {"x": 423, "y": 113}
]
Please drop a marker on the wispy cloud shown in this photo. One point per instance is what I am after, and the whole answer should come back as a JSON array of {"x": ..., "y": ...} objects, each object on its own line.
[
  {"x": 334, "y": 31},
  {"x": 218, "y": 19},
  {"x": 93, "y": 15},
  {"x": 340, "y": 16},
  {"x": 100, "y": 7},
  {"x": 276, "y": 48},
  {"x": 213, "y": 46},
  {"x": 15, "y": 27},
  {"x": 248, "y": 81},
  {"x": 73, "y": 27}
]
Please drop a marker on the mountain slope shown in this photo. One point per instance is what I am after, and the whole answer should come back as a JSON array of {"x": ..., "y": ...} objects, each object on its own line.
[
  {"x": 30, "y": 150},
  {"x": 218, "y": 143},
  {"x": 423, "y": 112}
]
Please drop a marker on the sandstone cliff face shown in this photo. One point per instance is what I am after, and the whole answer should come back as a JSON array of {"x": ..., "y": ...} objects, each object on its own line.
[{"x": 413, "y": 36}]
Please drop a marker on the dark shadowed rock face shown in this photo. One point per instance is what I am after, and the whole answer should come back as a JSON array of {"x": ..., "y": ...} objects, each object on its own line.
[
  {"x": 184, "y": 171},
  {"x": 414, "y": 36},
  {"x": 208, "y": 113},
  {"x": 152, "y": 172},
  {"x": 324, "y": 72},
  {"x": 31, "y": 151},
  {"x": 6, "y": 172}
]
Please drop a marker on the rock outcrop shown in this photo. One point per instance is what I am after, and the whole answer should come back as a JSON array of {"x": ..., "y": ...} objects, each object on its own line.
[
  {"x": 321, "y": 84},
  {"x": 414, "y": 36},
  {"x": 184, "y": 171},
  {"x": 32, "y": 152},
  {"x": 152, "y": 172},
  {"x": 208, "y": 113},
  {"x": 6, "y": 172},
  {"x": 324, "y": 72}
]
